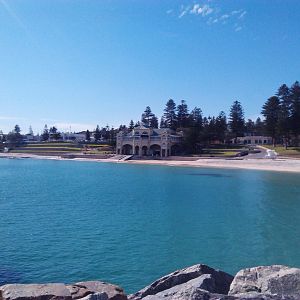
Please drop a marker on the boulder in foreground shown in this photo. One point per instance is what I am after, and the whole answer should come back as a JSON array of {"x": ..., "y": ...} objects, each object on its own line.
[
  {"x": 269, "y": 280},
  {"x": 216, "y": 282},
  {"x": 198, "y": 282},
  {"x": 89, "y": 290},
  {"x": 50, "y": 291},
  {"x": 113, "y": 292}
]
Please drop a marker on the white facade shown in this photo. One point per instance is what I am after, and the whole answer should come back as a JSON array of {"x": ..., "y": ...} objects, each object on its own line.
[
  {"x": 254, "y": 140},
  {"x": 144, "y": 141}
]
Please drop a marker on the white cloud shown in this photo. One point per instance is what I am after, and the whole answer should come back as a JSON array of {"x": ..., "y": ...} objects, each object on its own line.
[
  {"x": 183, "y": 11},
  {"x": 242, "y": 14},
  {"x": 169, "y": 11},
  {"x": 234, "y": 12},
  {"x": 195, "y": 8},
  {"x": 182, "y": 14},
  {"x": 224, "y": 17},
  {"x": 205, "y": 10},
  {"x": 213, "y": 14}
]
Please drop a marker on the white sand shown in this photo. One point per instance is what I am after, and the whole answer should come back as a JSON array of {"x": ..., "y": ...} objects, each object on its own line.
[{"x": 279, "y": 165}]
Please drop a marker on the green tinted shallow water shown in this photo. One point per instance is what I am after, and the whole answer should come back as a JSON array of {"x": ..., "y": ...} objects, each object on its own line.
[{"x": 64, "y": 221}]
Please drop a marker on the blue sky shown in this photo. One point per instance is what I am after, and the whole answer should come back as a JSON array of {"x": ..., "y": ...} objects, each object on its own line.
[{"x": 80, "y": 63}]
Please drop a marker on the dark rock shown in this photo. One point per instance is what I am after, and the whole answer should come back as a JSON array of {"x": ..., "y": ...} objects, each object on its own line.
[
  {"x": 194, "y": 289},
  {"x": 78, "y": 292},
  {"x": 268, "y": 280},
  {"x": 219, "y": 281},
  {"x": 194, "y": 293},
  {"x": 53, "y": 291},
  {"x": 113, "y": 292},
  {"x": 96, "y": 296},
  {"x": 257, "y": 296}
]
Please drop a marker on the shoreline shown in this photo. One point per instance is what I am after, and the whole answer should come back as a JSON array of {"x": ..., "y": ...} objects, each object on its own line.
[{"x": 277, "y": 165}]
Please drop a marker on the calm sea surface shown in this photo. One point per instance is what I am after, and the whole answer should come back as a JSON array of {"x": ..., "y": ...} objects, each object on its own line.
[{"x": 64, "y": 221}]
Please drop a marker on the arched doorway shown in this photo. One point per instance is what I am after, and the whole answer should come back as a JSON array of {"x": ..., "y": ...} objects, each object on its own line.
[
  {"x": 144, "y": 151},
  {"x": 136, "y": 150},
  {"x": 155, "y": 150},
  {"x": 127, "y": 149}
]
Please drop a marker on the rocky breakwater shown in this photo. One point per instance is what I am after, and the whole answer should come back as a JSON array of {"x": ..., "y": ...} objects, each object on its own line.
[
  {"x": 89, "y": 290},
  {"x": 198, "y": 282}
]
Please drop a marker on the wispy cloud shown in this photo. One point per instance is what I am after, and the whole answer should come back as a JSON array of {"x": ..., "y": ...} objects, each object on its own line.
[
  {"x": 234, "y": 12},
  {"x": 13, "y": 14},
  {"x": 16, "y": 18},
  {"x": 223, "y": 17},
  {"x": 204, "y": 10},
  {"x": 242, "y": 14},
  {"x": 184, "y": 12},
  {"x": 196, "y": 9},
  {"x": 212, "y": 14}
]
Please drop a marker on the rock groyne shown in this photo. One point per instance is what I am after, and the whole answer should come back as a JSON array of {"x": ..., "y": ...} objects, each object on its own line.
[{"x": 198, "y": 282}]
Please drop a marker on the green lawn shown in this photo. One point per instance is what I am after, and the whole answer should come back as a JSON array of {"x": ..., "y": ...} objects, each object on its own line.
[
  {"x": 95, "y": 145},
  {"x": 56, "y": 148},
  {"x": 98, "y": 152},
  {"x": 47, "y": 148},
  {"x": 220, "y": 154},
  {"x": 24, "y": 150},
  {"x": 50, "y": 144},
  {"x": 207, "y": 152},
  {"x": 50, "y": 148}
]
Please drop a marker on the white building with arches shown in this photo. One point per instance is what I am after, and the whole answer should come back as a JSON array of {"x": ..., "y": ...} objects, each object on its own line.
[{"x": 144, "y": 141}]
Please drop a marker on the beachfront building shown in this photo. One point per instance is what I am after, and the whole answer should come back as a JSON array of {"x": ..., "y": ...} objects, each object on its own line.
[
  {"x": 73, "y": 136},
  {"x": 145, "y": 141},
  {"x": 254, "y": 140}
]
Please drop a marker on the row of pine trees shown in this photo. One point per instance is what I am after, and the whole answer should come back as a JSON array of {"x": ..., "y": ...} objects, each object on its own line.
[{"x": 281, "y": 120}]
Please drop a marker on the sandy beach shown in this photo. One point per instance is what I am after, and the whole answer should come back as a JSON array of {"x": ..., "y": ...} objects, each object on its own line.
[{"x": 278, "y": 165}]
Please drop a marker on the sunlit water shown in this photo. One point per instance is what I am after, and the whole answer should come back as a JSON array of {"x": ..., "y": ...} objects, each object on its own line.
[{"x": 66, "y": 221}]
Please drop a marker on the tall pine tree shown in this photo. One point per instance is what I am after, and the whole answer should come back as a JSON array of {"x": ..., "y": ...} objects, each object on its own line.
[
  {"x": 170, "y": 118},
  {"x": 271, "y": 112},
  {"x": 295, "y": 109},
  {"x": 182, "y": 114},
  {"x": 284, "y": 122},
  {"x": 236, "y": 119},
  {"x": 147, "y": 116}
]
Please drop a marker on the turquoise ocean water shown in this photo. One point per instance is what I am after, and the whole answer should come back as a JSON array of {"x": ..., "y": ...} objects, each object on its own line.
[{"x": 66, "y": 221}]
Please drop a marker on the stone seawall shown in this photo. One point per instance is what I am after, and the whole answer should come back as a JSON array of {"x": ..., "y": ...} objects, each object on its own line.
[{"x": 198, "y": 282}]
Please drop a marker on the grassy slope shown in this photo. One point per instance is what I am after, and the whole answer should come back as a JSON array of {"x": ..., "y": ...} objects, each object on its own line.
[{"x": 56, "y": 148}]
